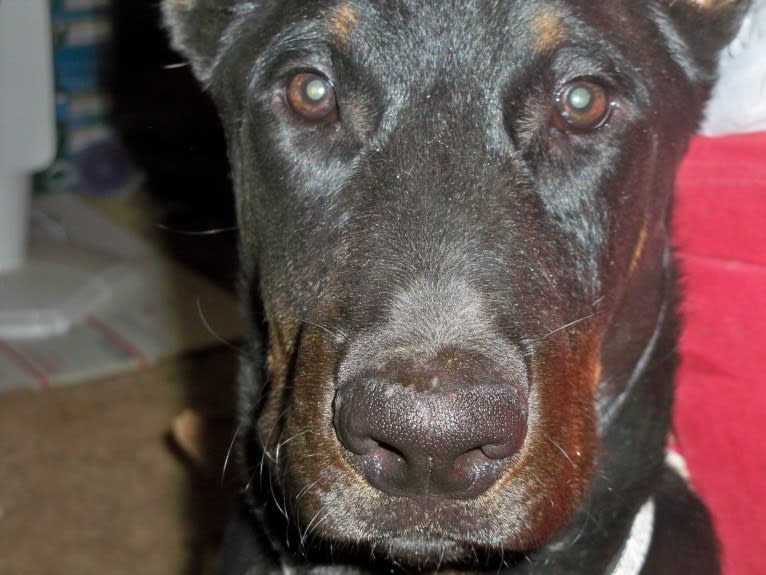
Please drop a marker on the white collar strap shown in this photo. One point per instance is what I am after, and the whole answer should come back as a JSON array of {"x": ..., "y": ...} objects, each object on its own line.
[{"x": 636, "y": 548}]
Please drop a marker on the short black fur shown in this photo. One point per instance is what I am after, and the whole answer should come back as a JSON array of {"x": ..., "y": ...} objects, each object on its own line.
[{"x": 447, "y": 251}]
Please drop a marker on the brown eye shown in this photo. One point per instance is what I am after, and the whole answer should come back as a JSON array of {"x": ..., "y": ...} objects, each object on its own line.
[
  {"x": 581, "y": 106},
  {"x": 312, "y": 98}
]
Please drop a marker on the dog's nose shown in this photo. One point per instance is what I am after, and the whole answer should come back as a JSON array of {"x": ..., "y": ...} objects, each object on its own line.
[{"x": 427, "y": 433}]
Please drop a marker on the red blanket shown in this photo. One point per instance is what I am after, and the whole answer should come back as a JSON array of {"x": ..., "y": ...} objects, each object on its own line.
[{"x": 721, "y": 404}]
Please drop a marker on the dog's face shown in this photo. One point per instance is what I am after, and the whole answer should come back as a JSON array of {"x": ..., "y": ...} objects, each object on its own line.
[{"x": 454, "y": 217}]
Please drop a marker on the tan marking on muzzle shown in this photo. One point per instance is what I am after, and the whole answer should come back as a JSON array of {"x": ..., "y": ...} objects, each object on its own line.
[
  {"x": 598, "y": 369},
  {"x": 639, "y": 249},
  {"x": 278, "y": 357},
  {"x": 341, "y": 26},
  {"x": 711, "y": 4},
  {"x": 283, "y": 333},
  {"x": 182, "y": 5}
]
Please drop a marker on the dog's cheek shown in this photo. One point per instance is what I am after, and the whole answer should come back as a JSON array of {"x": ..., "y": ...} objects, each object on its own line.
[
  {"x": 312, "y": 466},
  {"x": 281, "y": 335},
  {"x": 569, "y": 421},
  {"x": 558, "y": 461},
  {"x": 269, "y": 420}
]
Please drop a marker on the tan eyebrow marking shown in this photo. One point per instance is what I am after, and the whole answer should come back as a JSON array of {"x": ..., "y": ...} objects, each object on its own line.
[
  {"x": 550, "y": 30},
  {"x": 344, "y": 19}
]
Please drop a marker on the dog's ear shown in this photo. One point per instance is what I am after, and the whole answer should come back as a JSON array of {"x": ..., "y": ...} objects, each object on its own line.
[
  {"x": 707, "y": 25},
  {"x": 198, "y": 29}
]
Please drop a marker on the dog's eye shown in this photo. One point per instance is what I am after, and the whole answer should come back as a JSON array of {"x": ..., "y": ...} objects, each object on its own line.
[
  {"x": 312, "y": 98},
  {"x": 581, "y": 106}
]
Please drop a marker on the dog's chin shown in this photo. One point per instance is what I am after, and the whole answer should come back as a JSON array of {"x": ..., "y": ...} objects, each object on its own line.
[
  {"x": 420, "y": 553},
  {"x": 416, "y": 553},
  {"x": 457, "y": 540}
]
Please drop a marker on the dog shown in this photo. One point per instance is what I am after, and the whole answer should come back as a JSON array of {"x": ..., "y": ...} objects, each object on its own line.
[{"x": 459, "y": 281}]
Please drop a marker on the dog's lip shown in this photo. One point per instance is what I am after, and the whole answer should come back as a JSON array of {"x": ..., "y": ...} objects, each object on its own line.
[{"x": 458, "y": 520}]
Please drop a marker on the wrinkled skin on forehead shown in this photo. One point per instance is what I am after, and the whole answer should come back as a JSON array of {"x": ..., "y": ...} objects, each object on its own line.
[{"x": 444, "y": 212}]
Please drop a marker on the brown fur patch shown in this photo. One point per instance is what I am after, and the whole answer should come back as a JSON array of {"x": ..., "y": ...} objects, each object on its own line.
[
  {"x": 183, "y": 5},
  {"x": 598, "y": 369},
  {"x": 550, "y": 30},
  {"x": 639, "y": 250},
  {"x": 711, "y": 4},
  {"x": 341, "y": 26},
  {"x": 283, "y": 324}
]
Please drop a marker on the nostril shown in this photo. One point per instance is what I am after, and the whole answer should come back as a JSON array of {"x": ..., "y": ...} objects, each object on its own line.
[
  {"x": 379, "y": 450},
  {"x": 475, "y": 463},
  {"x": 498, "y": 451},
  {"x": 476, "y": 471},
  {"x": 389, "y": 450},
  {"x": 385, "y": 467}
]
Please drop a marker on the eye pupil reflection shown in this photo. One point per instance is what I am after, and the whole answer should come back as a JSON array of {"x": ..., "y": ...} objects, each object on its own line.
[
  {"x": 580, "y": 98},
  {"x": 316, "y": 90}
]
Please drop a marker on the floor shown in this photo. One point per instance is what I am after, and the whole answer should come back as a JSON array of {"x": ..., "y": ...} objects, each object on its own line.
[{"x": 91, "y": 480}]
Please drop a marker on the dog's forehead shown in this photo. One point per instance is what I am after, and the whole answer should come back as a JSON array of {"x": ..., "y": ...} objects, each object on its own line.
[
  {"x": 447, "y": 30},
  {"x": 408, "y": 40},
  {"x": 444, "y": 22}
]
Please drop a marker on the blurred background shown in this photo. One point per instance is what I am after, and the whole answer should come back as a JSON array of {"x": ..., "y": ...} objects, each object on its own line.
[{"x": 93, "y": 415}]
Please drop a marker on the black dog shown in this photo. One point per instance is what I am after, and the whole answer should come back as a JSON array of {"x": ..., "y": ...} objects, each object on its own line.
[{"x": 454, "y": 236}]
